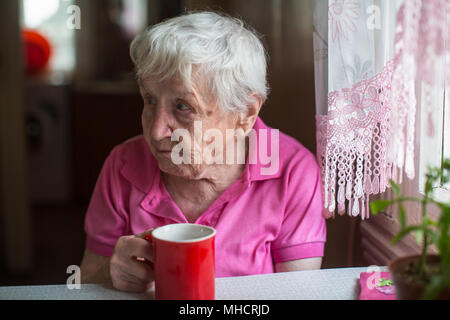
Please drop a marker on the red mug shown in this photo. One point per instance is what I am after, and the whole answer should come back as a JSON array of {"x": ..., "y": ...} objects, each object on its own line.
[{"x": 183, "y": 259}]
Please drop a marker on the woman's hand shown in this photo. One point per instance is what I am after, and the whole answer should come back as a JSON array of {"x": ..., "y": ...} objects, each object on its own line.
[{"x": 131, "y": 268}]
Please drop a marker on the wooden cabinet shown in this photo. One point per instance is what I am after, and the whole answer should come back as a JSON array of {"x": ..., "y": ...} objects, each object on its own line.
[
  {"x": 374, "y": 236},
  {"x": 374, "y": 241}
]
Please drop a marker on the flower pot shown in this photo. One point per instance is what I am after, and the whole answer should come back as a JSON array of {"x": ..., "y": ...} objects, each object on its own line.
[{"x": 408, "y": 289}]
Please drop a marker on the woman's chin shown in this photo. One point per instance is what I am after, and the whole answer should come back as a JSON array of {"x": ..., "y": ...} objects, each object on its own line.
[{"x": 185, "y": 171}]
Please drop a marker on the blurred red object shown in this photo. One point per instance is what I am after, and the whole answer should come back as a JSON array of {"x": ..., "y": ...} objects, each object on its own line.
[{"x": 37, "y": 51}]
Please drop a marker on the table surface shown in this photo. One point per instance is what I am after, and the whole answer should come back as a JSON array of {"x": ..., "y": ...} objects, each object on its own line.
[{"x": 324, "y": 284}]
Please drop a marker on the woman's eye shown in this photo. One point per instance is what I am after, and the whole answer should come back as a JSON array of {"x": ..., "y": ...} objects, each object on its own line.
[
  {"x": 182, "y": 107},
  {"x": 151, "y": 100}
]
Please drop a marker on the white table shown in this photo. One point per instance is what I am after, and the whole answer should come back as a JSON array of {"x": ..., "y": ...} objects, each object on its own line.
[{"x": 324, "y": 284}]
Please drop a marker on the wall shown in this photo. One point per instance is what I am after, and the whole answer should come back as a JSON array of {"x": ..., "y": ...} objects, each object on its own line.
[{"x": 14, "y": 204}]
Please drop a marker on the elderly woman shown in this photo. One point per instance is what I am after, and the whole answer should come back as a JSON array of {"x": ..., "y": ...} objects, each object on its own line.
[{"x": 208, "y": 69}]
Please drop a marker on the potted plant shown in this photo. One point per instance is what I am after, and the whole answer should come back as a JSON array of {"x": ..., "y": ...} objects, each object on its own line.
[{"x": 424, "y": 276}]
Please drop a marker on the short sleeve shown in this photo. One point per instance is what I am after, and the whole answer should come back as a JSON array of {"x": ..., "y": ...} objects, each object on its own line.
[
  {"x": 303, "y": 230},
  {"x": 105, "y": 219}
]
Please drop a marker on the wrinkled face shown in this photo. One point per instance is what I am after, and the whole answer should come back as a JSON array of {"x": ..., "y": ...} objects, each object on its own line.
[{"x": 168, "y": 107}]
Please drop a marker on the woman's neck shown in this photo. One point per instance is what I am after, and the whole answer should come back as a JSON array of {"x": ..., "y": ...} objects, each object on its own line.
[{"x": 193, "y": 197}]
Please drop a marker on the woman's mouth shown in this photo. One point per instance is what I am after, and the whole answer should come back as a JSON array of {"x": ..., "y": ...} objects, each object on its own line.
[{"x": 163, "y": 152}]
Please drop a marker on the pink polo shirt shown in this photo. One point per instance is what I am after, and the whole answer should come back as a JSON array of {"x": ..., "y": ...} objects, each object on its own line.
[{"x": 260, "y": 219}]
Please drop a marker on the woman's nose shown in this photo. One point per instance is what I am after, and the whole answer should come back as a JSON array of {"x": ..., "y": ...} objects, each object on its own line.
[{"x": 160, "y": 127}]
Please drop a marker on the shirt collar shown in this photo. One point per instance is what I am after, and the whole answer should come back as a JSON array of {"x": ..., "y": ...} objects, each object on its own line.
[
  {"x": 255, "y": 170},
  {"x": 140, "y": 167}
]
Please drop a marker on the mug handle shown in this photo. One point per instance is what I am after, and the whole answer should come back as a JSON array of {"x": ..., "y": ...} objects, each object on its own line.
[{"x": 148, "y": 237}]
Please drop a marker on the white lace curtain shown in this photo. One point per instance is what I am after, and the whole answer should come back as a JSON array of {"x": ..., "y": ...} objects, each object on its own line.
[{"x": 368, "y": 56}]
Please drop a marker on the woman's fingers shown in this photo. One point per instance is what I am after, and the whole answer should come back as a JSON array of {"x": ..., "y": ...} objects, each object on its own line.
[
  {"x": 127, "y": 282},
  {"x": 141, "y": 269},
  {"x": 145, "y": 234},
  {"x": 132, "y": 246},
  {"x": 130, "y": 268},
  {"x": 131, "y": 275}
]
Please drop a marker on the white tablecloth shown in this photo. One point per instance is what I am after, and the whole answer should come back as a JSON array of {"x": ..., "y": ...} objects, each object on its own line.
[{"x": 324, "y": 284}]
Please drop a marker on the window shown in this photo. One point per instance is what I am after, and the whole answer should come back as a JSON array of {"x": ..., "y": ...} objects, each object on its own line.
[
  {"x": 446, "y": 138},
  {"x": 49, "y": 17},
  {"x": 433, "y": 149},
  {"x": 53, "y": 17},
  {"x": 429, "y": 150}
]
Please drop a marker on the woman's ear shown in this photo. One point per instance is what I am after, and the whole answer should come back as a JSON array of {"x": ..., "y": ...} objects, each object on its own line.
[{"x": 248, "y": 118}]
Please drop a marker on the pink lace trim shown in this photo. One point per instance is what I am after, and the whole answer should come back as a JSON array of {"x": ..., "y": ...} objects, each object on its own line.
[
  {"x": 352, "y": 144},
  {"x": 421, "y": 36},
  {"x": 367, "y": 137}
]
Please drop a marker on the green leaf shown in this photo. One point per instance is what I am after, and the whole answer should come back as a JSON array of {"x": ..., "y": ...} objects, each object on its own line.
[
  {"x": 418, "y": 235},
  {"x": 380, "y": 205},
  {"x": 428, "y": 186},
  {"x": 445, "y": 177},
  {"x": 434, "y": 288},
  {"x": 444, "y": 236},
  {"x": 444, "y": 218},
  {"x": 395, "y": 188},
  {"x": 444, "y": 244},
  {"x": 446, "y": 171},
  {"x": 404, "y": 232},
  {"x": 430, "y": 222},
  {"x": 435, "y": 238},
  {"x": 401, "y": 215},
  {"x": 446, "y": 164},
  {"x": 384, "y": 282}
]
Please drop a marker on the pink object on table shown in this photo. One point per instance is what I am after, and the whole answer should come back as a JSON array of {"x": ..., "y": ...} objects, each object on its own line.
[{"x": 376, "y": 286}]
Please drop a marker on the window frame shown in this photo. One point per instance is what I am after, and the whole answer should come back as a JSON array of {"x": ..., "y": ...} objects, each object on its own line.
[
  {"x": 433, "y": 149},
  {"x": 428, "y": 149}
]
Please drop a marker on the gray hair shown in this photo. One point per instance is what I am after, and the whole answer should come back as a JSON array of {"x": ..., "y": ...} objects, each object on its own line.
[{"x": 222, "y": 50}]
